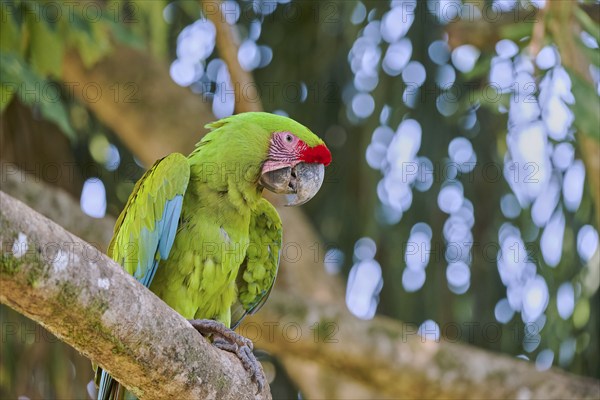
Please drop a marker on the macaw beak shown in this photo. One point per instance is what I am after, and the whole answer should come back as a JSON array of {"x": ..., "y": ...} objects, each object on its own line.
[{"x": 301, "y": 182}]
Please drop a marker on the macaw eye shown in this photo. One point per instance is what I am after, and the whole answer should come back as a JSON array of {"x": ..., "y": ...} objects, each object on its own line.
[{"x": 288, "y": 138}]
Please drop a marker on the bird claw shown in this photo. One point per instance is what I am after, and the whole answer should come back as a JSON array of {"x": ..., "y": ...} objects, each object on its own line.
[
  {"x": 228, "y": 340},
  {"x": 248, "y": 359}
]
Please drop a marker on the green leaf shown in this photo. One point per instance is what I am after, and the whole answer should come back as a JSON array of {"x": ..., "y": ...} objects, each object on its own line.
[
  {"x": 125, "y": 36},
  {"x": 92, "y": 43},
  {"x": 587, "y": 106},
  {"x": 46, "y": 48},
  {"x": 593, "y": 55},
  {"x": 13, "y": 36},
  {"x": 56, "y": 112},
  {"x": 10, "y": 78},
  {"x": 587, "y": 23},
  {"x": 480, "y": 69},
  {"x": 154, "y": 27},
  {"x": 516, "y": 31},
  {"x": 17, "y": 78},
  {"x": 490, "y": 98}
]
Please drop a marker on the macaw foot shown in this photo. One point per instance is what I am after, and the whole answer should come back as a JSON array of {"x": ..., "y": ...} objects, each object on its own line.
[{"x": 226, "y": 339}]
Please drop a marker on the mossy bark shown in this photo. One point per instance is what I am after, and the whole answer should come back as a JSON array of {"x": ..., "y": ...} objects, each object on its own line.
[
  {"x": 89, "y": 302},
  {"x": 387, "y": 358}
]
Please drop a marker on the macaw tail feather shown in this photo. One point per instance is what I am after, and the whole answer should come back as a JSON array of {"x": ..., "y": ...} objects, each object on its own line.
[{"x": 110, "y": 389}]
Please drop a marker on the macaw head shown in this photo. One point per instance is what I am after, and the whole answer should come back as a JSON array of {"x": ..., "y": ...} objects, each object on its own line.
[
  {"x": 295, "y": 162},
  {"x": 295, "y": 158}
]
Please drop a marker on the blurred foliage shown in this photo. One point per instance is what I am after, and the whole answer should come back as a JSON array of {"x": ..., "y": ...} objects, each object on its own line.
[
  {"x": 34, "y": 38},
  {"x": 310, "y": 43},
  {"x": 36, "y": 364}
]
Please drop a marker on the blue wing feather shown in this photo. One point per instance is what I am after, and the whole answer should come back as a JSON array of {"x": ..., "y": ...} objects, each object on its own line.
[
  {"x": 161, "y": 239},
  {"x": 171, "y": 218},
  {"x": 104, "y": 386}
]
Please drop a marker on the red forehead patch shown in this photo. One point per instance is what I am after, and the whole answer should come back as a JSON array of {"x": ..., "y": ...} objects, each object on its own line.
[{"x": 319, "y": 154}]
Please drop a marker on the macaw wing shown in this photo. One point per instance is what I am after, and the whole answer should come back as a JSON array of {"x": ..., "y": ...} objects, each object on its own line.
[
  {"x": 258, "y": 272},
  {"x": 146, "y": 228},
  {"x": 145, "y": 231}
]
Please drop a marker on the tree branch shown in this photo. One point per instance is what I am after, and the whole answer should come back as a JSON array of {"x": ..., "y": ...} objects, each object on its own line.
[
  {"x": 56, "y": 204},
  {"x": 228, "y": 43},
  {"x": 148, "y": 111},
  {"x": 390, "y": 356},
  {"x": 369, "y": 358},
  {"x": 295, "y": 277},
  {"x": 88, "y": 301}
]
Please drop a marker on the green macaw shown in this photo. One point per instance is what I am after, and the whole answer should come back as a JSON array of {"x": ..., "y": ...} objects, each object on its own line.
[{"x": 197, "y": 231}]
